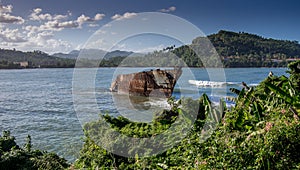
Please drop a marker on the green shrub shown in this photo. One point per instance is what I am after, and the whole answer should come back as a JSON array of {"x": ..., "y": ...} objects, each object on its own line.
[{"x": 14, "y": 157}]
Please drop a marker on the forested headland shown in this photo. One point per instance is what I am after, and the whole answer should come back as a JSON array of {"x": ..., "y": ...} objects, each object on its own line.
[{"x": 232, "y": 49}]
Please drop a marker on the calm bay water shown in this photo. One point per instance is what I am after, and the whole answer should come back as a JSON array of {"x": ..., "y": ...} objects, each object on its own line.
[{"x": 39, "y": 102}]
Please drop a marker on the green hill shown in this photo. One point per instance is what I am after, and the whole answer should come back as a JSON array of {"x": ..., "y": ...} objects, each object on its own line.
[
  {"x": 231, "y": 44},
  {"x": 36, "y": 59},
  {"x": 244, "y": 49},
  {"x": 232, "y": 49}
]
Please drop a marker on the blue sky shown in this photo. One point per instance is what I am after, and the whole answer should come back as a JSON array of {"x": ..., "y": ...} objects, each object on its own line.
[{"x": 61, "y": 26}]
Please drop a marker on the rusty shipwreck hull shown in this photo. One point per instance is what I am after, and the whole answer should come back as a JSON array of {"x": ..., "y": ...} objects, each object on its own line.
[{"x": 155, "y": 83}]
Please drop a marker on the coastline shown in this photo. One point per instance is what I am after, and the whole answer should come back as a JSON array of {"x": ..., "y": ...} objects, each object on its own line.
[{"x": 128, "y": 67}]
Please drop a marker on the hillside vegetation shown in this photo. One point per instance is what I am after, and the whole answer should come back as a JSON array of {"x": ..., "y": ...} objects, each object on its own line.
[
  {"x": 244, "y": 49},
  {"x": 241, "y": 50},
  {"x": 9, "y": 59},
  {"x": 235, "y": 44},
  {"x": 230, "y": 48}
]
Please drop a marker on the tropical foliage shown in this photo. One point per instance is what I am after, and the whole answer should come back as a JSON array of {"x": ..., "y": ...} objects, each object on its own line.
[
  {"x": 12, "y": 156},
  {"x": 242, "y": 50},
  {"x": 260, "y": 132}
]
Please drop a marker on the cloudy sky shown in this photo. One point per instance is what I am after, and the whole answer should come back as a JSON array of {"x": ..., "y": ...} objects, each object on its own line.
[{"x": 61, "y": 26}]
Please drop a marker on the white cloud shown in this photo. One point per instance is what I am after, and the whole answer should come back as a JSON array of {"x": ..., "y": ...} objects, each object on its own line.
[
  {"x": 6, "y": 9},
  {"x": 10, "y": 19},
  {"x": 83, "y": 19},
  {"x": 93, "y": 25},
  {"x": 56, "y": 23},
  {"x": 59, "y": 22},
  {"x": 11, "y": 36},
  {"x": 57, "y": 26},
  {"x": 60, "y": 17},
  {"x": 37, "y": 10},
  {"x": 170, "y": 9},
  {"x": 42, "y": 17},
  {"x": 99, "y": 17},
  {"x": 30, "y": 38},
  {"x": 126, "y": 15},
  {"x": 46, "y": 35},
  {"x": 67, "y": 24},
  {"x": 149, "y": 49},
  {"x": 6, "y": 17},
  {"x": 100, "y": 31},
  {"x": 43, "y": 41},
  {"x": 37, "y": 16},
  {"x": 100, "y": 42},
  {"x": 31, "y": 28},
  {"x": 40, "y": 32}
]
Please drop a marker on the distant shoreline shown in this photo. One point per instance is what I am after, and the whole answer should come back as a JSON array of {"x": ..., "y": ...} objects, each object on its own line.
[{"x": 32, "y": 68}]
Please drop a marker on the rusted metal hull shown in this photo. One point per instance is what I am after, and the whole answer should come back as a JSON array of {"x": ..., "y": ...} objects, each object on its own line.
[{"x": 155, "y": 83}]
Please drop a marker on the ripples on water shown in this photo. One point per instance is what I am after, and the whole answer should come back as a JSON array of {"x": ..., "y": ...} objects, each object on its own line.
[{"x": 39, "y": 102}]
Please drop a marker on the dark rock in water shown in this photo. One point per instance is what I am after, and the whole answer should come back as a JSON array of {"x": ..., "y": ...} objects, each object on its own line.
[{"x": 154, "y": 83}]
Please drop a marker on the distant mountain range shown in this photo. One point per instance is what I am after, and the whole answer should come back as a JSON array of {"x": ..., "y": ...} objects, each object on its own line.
[{"x": 94, "y": 54}]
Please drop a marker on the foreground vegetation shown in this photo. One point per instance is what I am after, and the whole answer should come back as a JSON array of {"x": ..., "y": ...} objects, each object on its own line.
[
  {"x": 260, "y": 132},
  {"x": 12, "y": 156}
]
